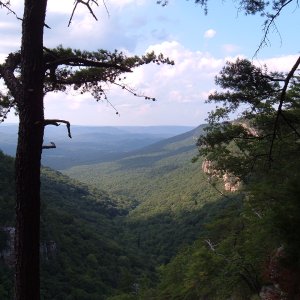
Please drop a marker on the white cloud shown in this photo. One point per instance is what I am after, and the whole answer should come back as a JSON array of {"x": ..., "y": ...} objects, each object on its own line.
[
  {"x": 210, "y": 33},
  {"x": 280, "y": 64},
  {"x": 185, "y": 82},
  {"x": 8, "y": 25},
  {"x": 180, "y": 89}
]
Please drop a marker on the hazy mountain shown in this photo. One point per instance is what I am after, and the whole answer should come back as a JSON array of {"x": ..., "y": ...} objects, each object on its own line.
[{"x": 90, "y": 144}]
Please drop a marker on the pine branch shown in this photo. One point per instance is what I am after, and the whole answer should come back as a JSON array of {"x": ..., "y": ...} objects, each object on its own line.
[
  {"x": 82, "y": 62},
  {"x": 7, "y": 73}
]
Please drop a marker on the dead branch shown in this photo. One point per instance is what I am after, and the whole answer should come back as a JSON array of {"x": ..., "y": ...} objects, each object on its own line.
[
  {"x": 85, "y": 3},
  {"x": 279, "y": 109},
  {"x": 210, "y": 245},
  {"x": 270, "y": 22},
  {"x": 7, "y": 6},
  {"x": 104, "y": 3},
  {"x": 131, "y": 91},
  {"x": 57, "y": 122}
]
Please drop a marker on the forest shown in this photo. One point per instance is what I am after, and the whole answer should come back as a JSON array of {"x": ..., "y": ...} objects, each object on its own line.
[{"x": 212, "y": 212}]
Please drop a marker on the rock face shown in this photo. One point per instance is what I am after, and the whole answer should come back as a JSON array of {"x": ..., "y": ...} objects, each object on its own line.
[
  {"x": 48, "y": 249},
  {"x": 284, "y": 280},
  {"x": 231, "y": 182},
  {"x": 8, "y": 253}
]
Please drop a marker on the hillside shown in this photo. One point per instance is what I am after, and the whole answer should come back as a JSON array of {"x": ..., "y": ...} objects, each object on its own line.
[
  {"x": 149, "y": 172},
  {"x": 83, "y": 254},
  {"x": 166, "y": 189},
  {"x": 107, "y": 241},
  {"x": 148, "y": 226}
]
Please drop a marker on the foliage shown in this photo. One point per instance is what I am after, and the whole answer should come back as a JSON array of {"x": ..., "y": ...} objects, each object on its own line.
[
  {"x": 82, "y": 249},
  {"x": 225, "y": 262},
  {"x": 261, "y": 148},
  {"x": 82, "y": 71},
  {"x": 167, "y": 194},
  {"x": 268, "y": 121}
]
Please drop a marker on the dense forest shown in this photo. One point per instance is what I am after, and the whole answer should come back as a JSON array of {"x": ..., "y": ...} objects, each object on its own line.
[
  {"x": 90, "y": 247},
  {"x": 73, "y": 217}
]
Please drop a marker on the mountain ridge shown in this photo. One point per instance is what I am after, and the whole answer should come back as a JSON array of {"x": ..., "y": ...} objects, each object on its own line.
[{"x": 90, "y": 144}]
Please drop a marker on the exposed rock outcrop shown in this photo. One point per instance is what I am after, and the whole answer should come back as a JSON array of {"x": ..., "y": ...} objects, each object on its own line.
[
  {"x": 48, "y": 249},
  {"x": 231, "y": 182},
  {"x": 284, "y": 278}
]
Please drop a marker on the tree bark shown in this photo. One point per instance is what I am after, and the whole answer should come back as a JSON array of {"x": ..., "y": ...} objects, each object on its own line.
[{"x": 28, "y": 156}]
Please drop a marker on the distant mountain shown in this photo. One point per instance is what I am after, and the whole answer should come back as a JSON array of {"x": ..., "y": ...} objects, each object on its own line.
[{"x": 90, "y": 144}]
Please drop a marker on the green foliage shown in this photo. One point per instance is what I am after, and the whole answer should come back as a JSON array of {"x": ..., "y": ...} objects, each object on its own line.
[
  {"x": 82, "y": 250},
  {"x": 261, "y": 149},
  {"x": 96, "y": 68},
  {"x": 266, "y": 136},
  {"x": 82, "y": 71},
  {"x": 6, "y": 190},
  {"x": 226, "y": 261},
  {"x": 167, "y": 194}
]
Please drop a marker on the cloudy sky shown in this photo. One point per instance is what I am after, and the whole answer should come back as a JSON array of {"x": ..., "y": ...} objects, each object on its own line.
[{"x": 198, "y": 43}]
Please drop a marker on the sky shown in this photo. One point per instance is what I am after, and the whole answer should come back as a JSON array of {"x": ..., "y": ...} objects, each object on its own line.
[{"x": 199, "y": 44}]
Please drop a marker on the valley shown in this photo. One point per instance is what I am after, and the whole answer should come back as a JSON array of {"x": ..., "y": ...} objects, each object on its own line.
[
  {"x": 143, "y": 224},
  {"x": 115, "y": 222}
]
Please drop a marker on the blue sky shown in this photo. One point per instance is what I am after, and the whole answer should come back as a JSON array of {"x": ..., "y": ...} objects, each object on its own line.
[{"x": 200, "y": 44}]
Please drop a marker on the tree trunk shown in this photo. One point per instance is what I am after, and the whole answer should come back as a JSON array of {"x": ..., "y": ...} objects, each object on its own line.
[{"x": 28, "y": 156}]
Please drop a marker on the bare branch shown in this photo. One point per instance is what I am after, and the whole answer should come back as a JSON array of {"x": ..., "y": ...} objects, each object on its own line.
[
  {"x": 210, "y": 245},
  {"x": 270, "y": 22},
  {"x": 219, "y": 191},
  {"x": 131, "y": 91},
  {"x": 87, "y": 4},
  {"x": 7, "y": 6},
  {"x": 117, "y": 113},
  {"x": 56, "y": 122},
  {"x": 104, "y": 3},
  {"x": 282, "y": 99}
]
